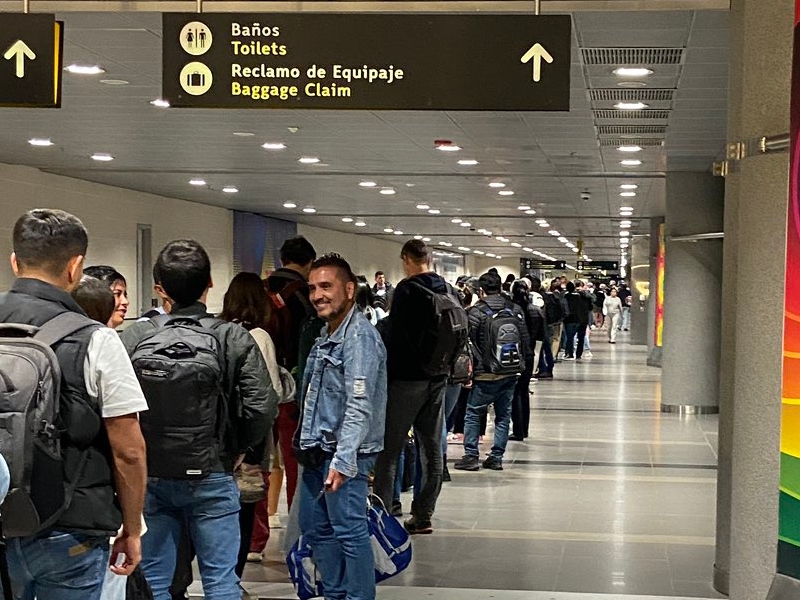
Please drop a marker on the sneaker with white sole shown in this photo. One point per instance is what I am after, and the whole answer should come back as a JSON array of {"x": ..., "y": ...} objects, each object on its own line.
[{"x": 255, "y": 557}]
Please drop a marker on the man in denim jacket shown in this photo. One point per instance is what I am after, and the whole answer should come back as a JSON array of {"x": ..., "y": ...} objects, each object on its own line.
[{"x": 344, "y": 412}]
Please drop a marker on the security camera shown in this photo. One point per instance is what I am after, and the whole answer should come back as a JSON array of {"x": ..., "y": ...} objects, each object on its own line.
[{"x": 585, "y": 196}]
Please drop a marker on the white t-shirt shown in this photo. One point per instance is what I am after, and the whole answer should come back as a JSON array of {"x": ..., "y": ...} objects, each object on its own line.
[{"x": 109, "y": 376}]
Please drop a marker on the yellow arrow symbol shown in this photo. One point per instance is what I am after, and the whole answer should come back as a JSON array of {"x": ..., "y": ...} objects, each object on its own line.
[
  {"x": 537, "y": 53},
  {"x": 20, "y": 50}
]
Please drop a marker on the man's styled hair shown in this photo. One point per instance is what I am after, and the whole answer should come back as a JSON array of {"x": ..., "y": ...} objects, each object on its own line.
[
  {"x": 336, "y": 261},
  {"x": 297, "y": 250},
  {"x": 490, "y": 282},
  {"x": 94, "y": 296},
  {"x": 183, "y": 270},
  {"x": 378, "y": 273},
  {"x": 48, "y": 239},
  {"x": 416, "y": 251},
  {"x": 106, "y": 274}
]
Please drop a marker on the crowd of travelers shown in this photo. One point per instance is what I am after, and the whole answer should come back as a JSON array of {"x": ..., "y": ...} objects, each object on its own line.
[{"x": 155, "y": 445}]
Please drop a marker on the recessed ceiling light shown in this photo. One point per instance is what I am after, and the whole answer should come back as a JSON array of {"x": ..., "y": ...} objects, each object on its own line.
[
  {"x": 230, "y": 189},
  {"x": 456, "y": 220},
  {"x": 632, "y": 72},
  {"x": 417, "y": 237},
  {"x": 554, "y": 233},
  {"x": 434, "y": 211},
  {"x": 627, "y": 194},
  {"x": 569, "y": 245},
  {"x": 499, "y": 257},
  {"x": 242, "y": 133},
  {"x": 466, "y": 224},
  {"x": 540, "y": 221},
  {"x": 523, "y": 207},
  {"x": 625, "y": 225},
  {"x": 293, "y": 205},
  {"x": 448, "y": 147},
  {"x": 398, "y": 233},
  {"x": 445, "y": 244},
  {"x": 497, "y": 184},
  {"x": 426, "y": 239},
  {"x": 282, "y": 146},
  {"x": 625, "y": 208},
  {"x": 530, "y": 211},
  {"x": 42, "y": 142},
  {"x": 102, "y": 157},
  {"x": 423, "y": 206},
  {"x": 624, "y": 233},
  {"x": 368, "y": 184},
  {"x": 629, "y": 186},
  {"x": 114, "y": 81},
  {"x": 630, "y": 163},
  {"x": 516, "y": 245},
  {"x": 161, "y": 103},
  {"x": 630, "y": 148},
  {"x": 197, "y": 181},
  {"x": 360, "y": 224},
  {"x": 388, "y": 192},
  {"x": 464, "y": 249},
  {"x": 544, "y": 224},
  {"x": 309, "y": 209},
  {"x": 626, "y": 213},
  {"x": 491, "y": 255},
  {"x": 308, "y": 160},
  {"x": 506, "y": 193},
  {"x": 347, "y": 219},
  {"x": 563, "y": 240},
  {"x": 478, "y": 252},
  {"x": 469, "y": 162},
  {"x": 388, "y": 230},
  {"x": 630, "y": 105},
  {"x": 574, "y": 249},
  {"x": 85, "y": 69}
]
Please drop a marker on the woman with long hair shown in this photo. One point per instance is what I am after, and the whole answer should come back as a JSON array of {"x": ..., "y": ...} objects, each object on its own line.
[
  {"x": 116, "y": 282},
  {"x": 246, "y": 303}
]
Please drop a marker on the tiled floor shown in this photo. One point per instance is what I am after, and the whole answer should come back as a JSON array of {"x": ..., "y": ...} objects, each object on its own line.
[{"x": 607, "y": 496}]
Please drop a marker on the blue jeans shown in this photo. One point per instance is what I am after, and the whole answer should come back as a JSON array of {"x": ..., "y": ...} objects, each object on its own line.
[
  {"x": 626, "y": 318},
  {"x": 335, "y": 526},
  {"x": 546, "y": 360},
  {"x": 499, "y": 392},
  {"x": 451, "y": 394},
  {"x": 57, "y": 566},
  {"x": 210, "y": 508}
]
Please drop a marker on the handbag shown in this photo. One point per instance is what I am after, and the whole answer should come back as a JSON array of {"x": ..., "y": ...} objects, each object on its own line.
[{"x": 391, "y": 549}]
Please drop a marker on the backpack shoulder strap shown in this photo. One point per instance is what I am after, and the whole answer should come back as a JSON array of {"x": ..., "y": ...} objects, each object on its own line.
[{"x": 62, "y": 326}]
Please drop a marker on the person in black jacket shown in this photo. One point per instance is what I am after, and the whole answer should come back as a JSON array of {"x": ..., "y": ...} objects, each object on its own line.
[
  {"x": 210, "y": 505},
  {"x": 415, "y": 398},
  {"x": 535, "y": 323},
  {"x": 580, "y": 309},
  {"x": 490, "y": 387}
]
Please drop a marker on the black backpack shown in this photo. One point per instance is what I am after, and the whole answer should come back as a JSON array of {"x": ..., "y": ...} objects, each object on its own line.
[
  {"x": 181, "y": 369},
  {"x": 30, "y": 376},
  {"x": 554, "y": 313},
  {"x": 502, "y": 351},
  {"x": 444, "y": 341}
]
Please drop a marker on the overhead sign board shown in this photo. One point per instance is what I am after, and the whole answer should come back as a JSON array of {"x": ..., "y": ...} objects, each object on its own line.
[
  {"x": 528, "y": 264},
  {"x": 367, "y": 61},
  {"x": 30, "y": 60},
  {"x": 598, "y": 265}
]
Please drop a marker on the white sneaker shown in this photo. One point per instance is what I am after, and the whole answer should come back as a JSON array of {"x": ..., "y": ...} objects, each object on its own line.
[
  {"x": 275, "y": 522},
  {"x": 587, "y": 354},
  {"x": 255, "y": 557}
]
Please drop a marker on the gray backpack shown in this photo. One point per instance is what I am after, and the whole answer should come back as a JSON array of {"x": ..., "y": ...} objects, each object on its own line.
[{"x": 30, "y": 440}]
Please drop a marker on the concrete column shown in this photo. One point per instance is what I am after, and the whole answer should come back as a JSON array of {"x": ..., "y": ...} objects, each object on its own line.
[
  {"x": 692, "y": 294},
  {"x": 756, "y": 198},
  {"x": 640, "y": 266}
]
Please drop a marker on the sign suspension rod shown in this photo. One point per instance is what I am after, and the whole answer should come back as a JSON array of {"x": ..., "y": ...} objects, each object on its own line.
[
  {"x": 26, "y": 6},
  {"x": 537, "y": 7}
]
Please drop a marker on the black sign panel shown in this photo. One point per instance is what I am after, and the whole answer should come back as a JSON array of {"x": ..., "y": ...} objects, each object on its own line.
[
  {"x": 367, "y": 61},
  {"x": 598, "y": 265},
  {"x": 528, "y": 264},
  {"x": 30, "y": 60}
]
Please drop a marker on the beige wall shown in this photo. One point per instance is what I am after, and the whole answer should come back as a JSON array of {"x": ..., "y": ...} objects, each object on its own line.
[{"x": 111, "y": 215}]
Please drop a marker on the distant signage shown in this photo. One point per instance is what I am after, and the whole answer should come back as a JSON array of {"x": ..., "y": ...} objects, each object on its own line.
[
  {"x": 598, "y": 265},
  {"x": 530, "y": 264},
  {"x": 30, "y": 60},
  {"x": 367, "y": 61}
]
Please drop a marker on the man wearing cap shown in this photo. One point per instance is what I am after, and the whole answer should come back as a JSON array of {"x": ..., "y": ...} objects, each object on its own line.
[{"x": 492, "y": 385}]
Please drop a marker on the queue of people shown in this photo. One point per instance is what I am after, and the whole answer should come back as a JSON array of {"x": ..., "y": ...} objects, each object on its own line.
[{"x": 170, "y": 427}]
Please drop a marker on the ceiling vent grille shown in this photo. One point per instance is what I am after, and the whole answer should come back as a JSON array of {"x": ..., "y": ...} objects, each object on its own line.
[
  {"x": 643, "y": 142},
  {"x": 661, "y": 115},
  {"x": 632, "y": 56},
  {"x": 631, "y": 129},
  {"x": 615, "y": 95}
]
